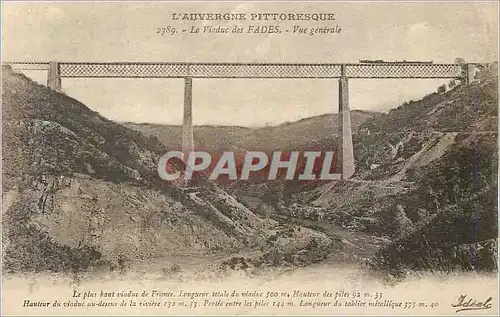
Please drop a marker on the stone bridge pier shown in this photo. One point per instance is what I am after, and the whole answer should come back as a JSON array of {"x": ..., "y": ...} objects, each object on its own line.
[
  {"x": 345, "y": 150},
  {"x": 187, "y": 122},
  {"x": 54, "y": 76}
]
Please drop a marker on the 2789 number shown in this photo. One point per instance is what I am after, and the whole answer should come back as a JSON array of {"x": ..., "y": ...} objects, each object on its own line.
[{"x": 168, "y": 30}]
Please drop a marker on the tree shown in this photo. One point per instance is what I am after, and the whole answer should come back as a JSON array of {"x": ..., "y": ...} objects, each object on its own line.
[
  {"x": 441, "y": 89},
  {"x": 452, "y": 84},
  {"x": 397, "y": 222}
]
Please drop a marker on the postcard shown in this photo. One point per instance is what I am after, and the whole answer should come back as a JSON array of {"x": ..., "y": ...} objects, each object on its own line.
[{"x": 249, "y": 158}]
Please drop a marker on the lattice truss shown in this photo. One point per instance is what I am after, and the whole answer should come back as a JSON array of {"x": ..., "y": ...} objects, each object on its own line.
[
  {"x": 410, "y": 70},
  {"x": 29, "y": 65},
  {"x": 200, "y": 70},
  {"x": 265, "y": 70},
  {"x": 241, "y": 70}
]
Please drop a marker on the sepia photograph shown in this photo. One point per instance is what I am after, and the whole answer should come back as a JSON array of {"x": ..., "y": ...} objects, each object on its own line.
[{"x": 313, "y": 158}]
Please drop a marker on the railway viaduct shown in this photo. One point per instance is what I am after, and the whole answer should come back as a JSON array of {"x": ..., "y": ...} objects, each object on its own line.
[{"x": 56, "y": 71}]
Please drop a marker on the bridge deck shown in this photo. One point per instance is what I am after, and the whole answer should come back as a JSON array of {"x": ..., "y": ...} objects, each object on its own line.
[{"x": 246, "y": 70}]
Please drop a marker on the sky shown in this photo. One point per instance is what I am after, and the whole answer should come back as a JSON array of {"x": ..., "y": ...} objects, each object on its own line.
[{"x": 113, "y": 31}]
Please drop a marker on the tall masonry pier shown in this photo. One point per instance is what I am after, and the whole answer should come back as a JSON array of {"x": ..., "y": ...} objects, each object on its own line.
[
  {"x": 345, "y": 150},
  {"x": 187, "y": 123},
  {"x": 54, "y": 76},
  {"x": 344, "y": 72}
]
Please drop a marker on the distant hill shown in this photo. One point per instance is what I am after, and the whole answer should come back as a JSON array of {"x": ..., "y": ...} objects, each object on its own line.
[
  {"x": 286, "y": 136},
  {"x": 209, "y": 138}
]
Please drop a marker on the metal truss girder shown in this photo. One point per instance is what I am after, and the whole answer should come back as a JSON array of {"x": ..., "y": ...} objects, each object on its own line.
[{"x": 246, "y": 70}]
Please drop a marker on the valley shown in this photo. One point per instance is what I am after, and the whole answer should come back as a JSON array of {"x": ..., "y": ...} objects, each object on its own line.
[{"x": 85, "y": 189}]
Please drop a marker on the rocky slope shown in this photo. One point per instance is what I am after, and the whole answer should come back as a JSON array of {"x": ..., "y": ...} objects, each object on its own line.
[
  {"x": 426, "y": 179},
  {"x": 81, "y": 191}
]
